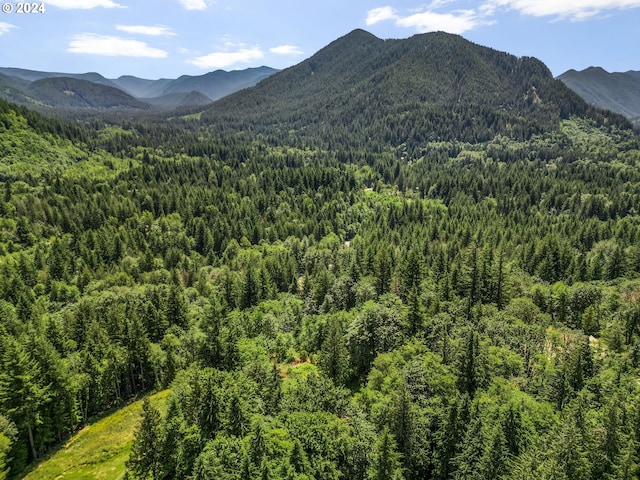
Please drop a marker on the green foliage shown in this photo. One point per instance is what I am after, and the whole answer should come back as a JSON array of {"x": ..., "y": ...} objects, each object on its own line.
[
  {"x": 386, "y": 461},
  {"x": 100, "y": 449},
  {"x": 145, "y": 458},
  {"x": 378, "y": 288}
]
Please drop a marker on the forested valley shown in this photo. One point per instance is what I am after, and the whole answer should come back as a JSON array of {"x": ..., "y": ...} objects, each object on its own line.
[{"x": 463, "y": 304}]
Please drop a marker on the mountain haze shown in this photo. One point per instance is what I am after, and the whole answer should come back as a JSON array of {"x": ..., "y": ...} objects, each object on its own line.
[
  {"x": 141, "y": 87},
  {"x": 220, "y": 83},
  {"x": 177, "y": 100},
  {"x": 33, "y": 75},
  {"x": 618, "y": 92},
  {"x": 431, "y": 86},
  {"x": 66, "y": 92},
  {"x": 37, "y": 88}
]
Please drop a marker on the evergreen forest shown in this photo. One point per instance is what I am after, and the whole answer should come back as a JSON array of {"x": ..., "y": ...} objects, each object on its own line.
[{"x": 366, "y": 290}]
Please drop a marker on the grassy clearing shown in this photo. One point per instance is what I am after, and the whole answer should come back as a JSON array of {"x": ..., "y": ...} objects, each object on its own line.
[{"x": 99, "y": 450}]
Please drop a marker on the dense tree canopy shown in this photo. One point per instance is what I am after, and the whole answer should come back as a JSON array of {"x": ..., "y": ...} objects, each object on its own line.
[{"x": 460, "y": 307}]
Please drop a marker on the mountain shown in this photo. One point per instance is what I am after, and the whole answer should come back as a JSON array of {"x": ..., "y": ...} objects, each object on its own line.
[
  {"x": 618, "y": 92},
  {"x": 8, "y": 81},
  {"x": 213, "y": 85},
  {"x": 33, "y": 75},
  {"x": 65, "y": 92},
  {"x": 164, "y": 93},
  {"x": 12, "y": 88},
  {"x": 220, "y": 83},
  {"x": 176, "y": 100},
  {"x": 435, "y": 86},
  {"x": 141, "y": 87}
]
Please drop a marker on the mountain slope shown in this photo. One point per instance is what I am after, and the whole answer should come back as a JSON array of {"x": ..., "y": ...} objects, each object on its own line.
[
  {"x": 177, "y": 100},
  {"x": 12, "y": 88},
  {"x": 141, "y": 87},
  {"x": 33, "y": 75},
  {"x": 65, "y": 92},
  {"x": 36, "y": 88},
  {"x": 99, "y": 449},
  {"x": 220, "y": 83},
  {"x": 618, "y": 92},
  {"x": 214, "y": 85},
  {"x": 436, "y": 86}
]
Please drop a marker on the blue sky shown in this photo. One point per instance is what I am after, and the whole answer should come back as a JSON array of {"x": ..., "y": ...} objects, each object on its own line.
[{"x": 168, "y": 38}]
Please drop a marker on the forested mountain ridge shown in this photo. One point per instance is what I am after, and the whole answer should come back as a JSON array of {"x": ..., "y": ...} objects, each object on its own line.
[
  {"x": 618, "y": 92},
  {"x": 35, "y": 89},
  {"x": 33, "y": 75},
  {"x": 324, "y": 305},
  {"x": 65, "y": 93},
  {"x": 214, "y": 85},
  {"x": 429, "y": 87}
]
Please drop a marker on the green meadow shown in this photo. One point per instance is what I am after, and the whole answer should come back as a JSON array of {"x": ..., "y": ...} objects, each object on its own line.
[{"x": 99, "y": 450}]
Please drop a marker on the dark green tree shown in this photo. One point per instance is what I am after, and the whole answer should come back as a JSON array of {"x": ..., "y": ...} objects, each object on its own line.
[
  {"x": 386, "y": 464},
  {"x": 145, "y": 460},
  {"x": 334, "y": 355},
  {"x": 22, "y": 394}
]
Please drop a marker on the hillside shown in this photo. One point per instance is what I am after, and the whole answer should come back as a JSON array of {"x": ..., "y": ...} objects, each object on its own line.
[
  {"x": 177, "y": 100},
  {"x": 100, "y": 449},
  {"x": 12, "y": 88},
  {"x": 142, "y": 87},
  {"x": 65, "y": 93},
  {"x": 47, "y": 89},
  {"x": 220, "y": 83},
  {"x": 618, "y": 92},
  {"x": 33, "y": 75},
  {"x": 213, "y": 85},
  {"x": 429, "y": 87}
]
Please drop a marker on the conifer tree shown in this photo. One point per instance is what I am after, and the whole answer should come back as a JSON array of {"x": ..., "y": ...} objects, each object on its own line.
[
  {"x": 272, "y": 390},
  {"x": 176, "y": 307},
  {"x": 386, "y": 464},
  {"x": 22, "y": 396},
  {"x": 8, "y": 433},
  {"x": 298, "y": 458},
  {"x": 236, "y": 421},
  {"x": 145, "y": 460},
  {"x": 250, "y": 289},
  {"x": 265, "y": 471},
  {"x": 257, "y": 443},
  {"x": 334, "y": 356},
  {"x": 471, "y": 450},
  {"x": 448, "y": 439},
  {"x": 467, "y": 377},
  {"x": 401, "y": 421},
  {"x": 493, "y": 463}
]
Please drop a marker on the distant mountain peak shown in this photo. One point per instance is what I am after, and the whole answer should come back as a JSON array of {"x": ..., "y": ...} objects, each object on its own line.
[
  {"x": 618, "y": 92},
  {"x": 595, "y": 70}
]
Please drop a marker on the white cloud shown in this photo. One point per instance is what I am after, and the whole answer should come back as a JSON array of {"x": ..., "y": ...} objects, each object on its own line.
[
  {"x": 435, "y": 17},
  {"x": 83, "y": 4},
  {"x": 226, "y": 59},
  {"x": 156, "y": 30},
  {"x": 439, "y": 3},
  {"x": 380, "y": 14},
  {"x": 455, "y": 22},
  {"x": 5, "y": 27},
  {"x": 194, "y": 4},
  {"x": 572, "y": 9},
  {"x": 112, "y": 46},
  {"x": 286, "y": 50}
]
